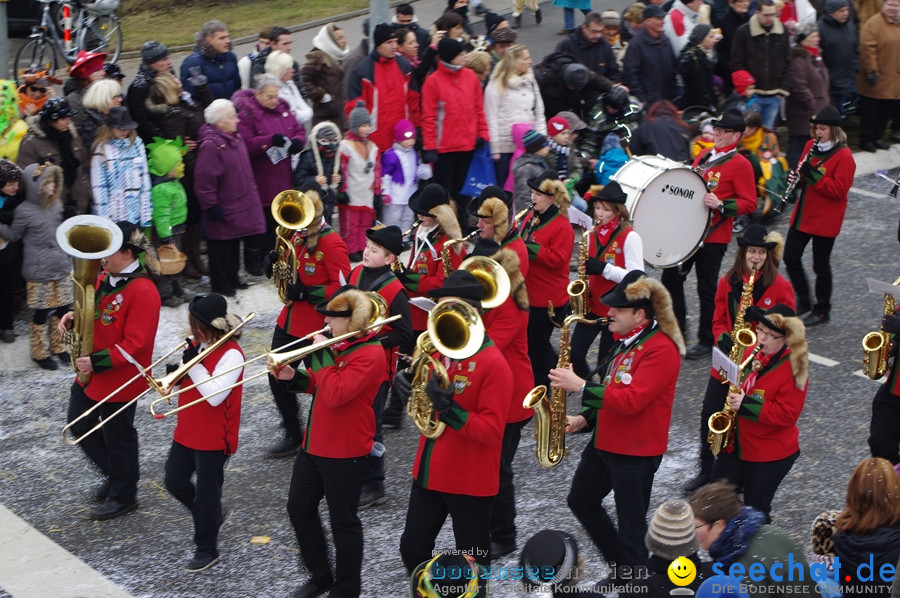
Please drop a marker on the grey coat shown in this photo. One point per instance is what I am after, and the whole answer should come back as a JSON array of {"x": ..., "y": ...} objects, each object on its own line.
[{"x": 37, "y": 148}]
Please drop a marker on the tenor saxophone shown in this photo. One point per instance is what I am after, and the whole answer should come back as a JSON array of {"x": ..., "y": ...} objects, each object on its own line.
[{"x": 877, "y": 345}]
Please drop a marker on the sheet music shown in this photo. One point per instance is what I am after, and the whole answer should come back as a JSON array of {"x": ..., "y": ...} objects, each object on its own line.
[
  {"x": 726, "y": 368},
  {"x": 886, "y": 288}
]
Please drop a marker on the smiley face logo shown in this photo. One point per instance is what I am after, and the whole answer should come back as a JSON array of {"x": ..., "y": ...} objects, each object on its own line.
[{"x": 682, "y": 571}]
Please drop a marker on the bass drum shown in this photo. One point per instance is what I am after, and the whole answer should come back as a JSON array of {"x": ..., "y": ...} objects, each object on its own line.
[{"x": 665, "y": 201}]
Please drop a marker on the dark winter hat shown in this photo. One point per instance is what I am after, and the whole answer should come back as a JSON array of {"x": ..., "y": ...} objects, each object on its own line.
[
  {"x": 383, "y": 32},
  {"x": 756, "y": 314},
  {"x": 207, "y": 308},
  {"x": 575, "y": 123},
  {"x": 462, "y": 284},
  {"x": 755, "y": 236},
  {"x": 701, "y": 30},
  {"x": 804, "y": 29},
  {"x": 113, "y": 71},
  {"x": 9, "y": 172},
  {"x": 359, "y": 116},
  {"x": 55, "y": 109},
  {"x": 617, "y": 297},
  {"x": 653, "y": 11},
  {"x": 153, "y": 51},
  {"x": 345, "y": 312},
  {"x": 130, "y": 234},
  {"x": 485, "y": 248},
  {"x": 575, "y": 75},
  {"x": 611, "y": 193},
  {"x": 474, "y": 206},
  {"x": 504, "y": 35},
  {"x": 389, "y": 237},
  {"x": 427, "y": 198},
  {"x": 671, "y": 533},
  {"x": 120, "y": 118},
  {"x": 731, "y": 120},
  {"x": 536, "y": 182},
  {"x": 533, "y": 141},
  {"x": 448, "y": 49},
  {"x": 828, "y": 115},
  {"x": 834, "y": 5},
  {"x": 491, "y": 21},
  {"x": 550, "y": 557}
]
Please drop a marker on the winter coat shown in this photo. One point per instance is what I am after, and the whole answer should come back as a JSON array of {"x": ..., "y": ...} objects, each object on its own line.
[
  {"x": 400, "y": 169},
  {"x": 527, "y": 166},
  {"x": 88, "y": 128},
  {"x": 597, "y": 56},
  {"x": 809, "y": 90},
  {"x": 520, "y": 103},
  {"x": 557, "y": 97},
  {"x": 37, "y": 148},
  {"x": 76, "y": 103},
  {"x": 306, "y": 172},
  {"x": 678, "y": 25},
  {"x": 649, "y": 68},
  {"x": 729, "y": 24},
  {"x": 839, "y": 43},
  {"x": 258, "y": 67},
  {"x": 12, "y": 253},
  {"x": 221, "y": 71},
  {"x": 169, "y": 206},
  {"x": 881, "y": 545},
  {"x": 225, "y": 178},
  {"x": 36, "y": 225},
  {"x": 764, "y": 55},
  {"x": 257, "y": 126},
  {"x": 823, "y": 198},
  {"x": 662, "y": 135},
  {"x": 879, "y": 50},
  {"x": 452, "y": 110},
  {"x": 184, "y": 120},
  {"x": 138, "y": 92},
  {"x": 324, "y": 76},
  {"x": 696, "y": 68},
  {"x": 120, "y": 181},
  {"x": 361, "y": 169}
]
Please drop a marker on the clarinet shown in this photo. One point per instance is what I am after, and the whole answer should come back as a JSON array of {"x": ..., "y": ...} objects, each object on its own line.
[{"x": 789, "y": 190}]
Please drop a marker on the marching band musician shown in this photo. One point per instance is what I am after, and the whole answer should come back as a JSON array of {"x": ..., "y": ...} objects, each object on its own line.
[
  {"x": 614, "y": 249},
  {"x": 206, "y": 433},
  {"x": 826, "y": 174},
  {"x": 492, "y": 208},
  {"x": 549, "y": 239},
  {"x": 126, "y": 313},
  {"x": 884, "y": 428},
  {"x": 767, "y": 407},
  {"x": 339, "y": 436},
  {"x": 507, "y": 325},
  {"x": 761, "y": 250},
  {"x": 383, "y": 247},
  {"x": 321, "y": 259},
  {"x": 630, "y": 412},
  {"x": 731, "y": 191},
  {"x": 474, "y": 409}
]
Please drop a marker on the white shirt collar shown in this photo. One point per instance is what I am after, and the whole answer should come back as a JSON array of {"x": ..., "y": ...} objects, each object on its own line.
[{"x": 114, "y": 280}]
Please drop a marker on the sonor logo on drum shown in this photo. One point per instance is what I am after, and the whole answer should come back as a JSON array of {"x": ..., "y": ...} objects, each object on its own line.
[{"x": 678, "y": 191}]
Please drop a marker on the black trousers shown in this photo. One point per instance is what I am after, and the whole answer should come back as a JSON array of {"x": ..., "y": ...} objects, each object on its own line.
[
  {"x": 541, "y": 351},
  {"x": 758, "y": 481},
  {"x": 374, "y": 480},
  {"x": 427, "y": 512},
  {"x": 503, "y": 516},
  {"x": 501, "y": 171},
  {"x": 8, "y": 273},
  {"x": 286, "y": 401},
  {"x": 224, "y": 263},
  {"x": 713, "y": 401},
  {"x": 113, "y": 448},
  {"x": 631, "y": 479},
  {"x": 450, "y": 172},
  {"x": 884, "y": 429},
  {"x": 794, "y": 246},
  {"x": 708, "y": 260},
  {"x": 339, "y": 482},
  {"x": 203, "y": 500},
  {"x": 874, "y": 115},
  {"x": 582, "y": 338}
]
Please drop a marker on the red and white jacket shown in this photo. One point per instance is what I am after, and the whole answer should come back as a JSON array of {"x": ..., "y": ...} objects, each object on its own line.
[
  {"x": 622, "y": 253},
  {"x": 732, "y": 181}
]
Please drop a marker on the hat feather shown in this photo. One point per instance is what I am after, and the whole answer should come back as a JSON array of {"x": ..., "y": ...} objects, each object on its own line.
[
  {"x": 654, "y": 291},
  {"x": 795, "y": 337}
]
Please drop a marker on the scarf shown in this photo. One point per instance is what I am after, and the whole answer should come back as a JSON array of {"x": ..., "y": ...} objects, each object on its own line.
[
  {"x": 814, "y": 51},
  {"x": 735, "y": 539},
  {"x": 634, "y": 332},
  {"x": 562, "y": 159},
  {"x": 605, "y": 232},
  {"x": 70, "y": 164},
  {"x": 752, "y": 142}
]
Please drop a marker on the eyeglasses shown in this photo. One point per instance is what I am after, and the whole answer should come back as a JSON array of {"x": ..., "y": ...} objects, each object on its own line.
[
  {"x": 765, "y": 332},
  {"x": 40, "y": 89},
  {"x": 702, "y": 525}
]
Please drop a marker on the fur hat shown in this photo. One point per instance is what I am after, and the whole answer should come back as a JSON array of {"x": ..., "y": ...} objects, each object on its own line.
[
  {"x": 497, "y": 210},
  {"x": 311, "y": 232},
  {"x": 550, "y": 552},
  {"x": 349, "y": 302},
  {"x": 638, "y": 290},
  {"x": 134, "y": 239},
  {"x": 548, "y": 183},
  {"x": 359, "y": 116},
  {"x": 427, "y": 198},
  {"x": 212, "y": 310},
  {"x": 783, "y": 320},
  {"x": 671, "y": 533},
  {"x": 164, "y": 154}
]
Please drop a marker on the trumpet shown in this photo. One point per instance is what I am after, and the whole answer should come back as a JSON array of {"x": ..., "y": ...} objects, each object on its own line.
[{"x": 293, "y": 211}]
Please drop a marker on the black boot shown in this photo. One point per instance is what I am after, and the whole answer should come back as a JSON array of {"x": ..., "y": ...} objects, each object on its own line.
[
  {"x": 392, "y": 416},
  {"x": 253, "y": 262},
  {"x": 190, "y": 240}
]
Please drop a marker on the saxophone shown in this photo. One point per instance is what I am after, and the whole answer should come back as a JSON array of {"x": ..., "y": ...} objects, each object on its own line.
[
  {"x": 578, "y": 289},
  {"x": 396, "y": 266},
  {"x": 550, "y": 409},
  {"x": 445, "y": 251},
  {"x": 722, "y": 424},
  {"x": 877, "y": 345}
]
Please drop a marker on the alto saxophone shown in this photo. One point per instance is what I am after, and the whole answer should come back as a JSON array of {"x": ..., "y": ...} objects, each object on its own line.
[
  {"x": 578, "y": 289},
  {"x": 722, "y": 424},
  {"x": 445, "y": 252},
  {"x": 877, "y": 345}
]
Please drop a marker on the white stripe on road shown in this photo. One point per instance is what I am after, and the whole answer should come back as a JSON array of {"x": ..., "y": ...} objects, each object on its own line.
[
  {"x": 31, "y": 564},
  {"x": 822, "y": 360},
  {"x": 867, "y": 193},
  {"x": 858, "y": 372}
]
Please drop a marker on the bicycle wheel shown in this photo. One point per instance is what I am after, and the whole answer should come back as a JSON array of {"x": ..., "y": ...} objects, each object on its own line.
[
  {"x": 101, "y": 33},
  {"x": 35, "y": 54}
]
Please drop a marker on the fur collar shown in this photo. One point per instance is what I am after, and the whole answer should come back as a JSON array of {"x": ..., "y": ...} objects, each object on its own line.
[
  {"x": 757, "y": 29},
  {"x": 652, "y": 289}
]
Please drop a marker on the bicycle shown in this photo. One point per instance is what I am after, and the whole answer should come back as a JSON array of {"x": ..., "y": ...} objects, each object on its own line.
[{"x": 93, "y": 24}]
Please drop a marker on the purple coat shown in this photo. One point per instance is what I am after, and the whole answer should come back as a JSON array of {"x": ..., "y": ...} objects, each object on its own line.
[
  {"x": 257, "y": 126},
  {"x": 224, "y": 177}
]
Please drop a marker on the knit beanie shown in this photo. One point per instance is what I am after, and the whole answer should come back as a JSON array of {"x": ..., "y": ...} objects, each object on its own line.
[
  {"x": 359, "y": 116},
  {"x": 404, "y": 130},
  {"x": 671, "y": 533},
  {"x": 701, "y": 30},
  {"x": 448, "y": 49},
  {"x": 556, "y": 125},
  {"x": 575, "y": 75},
  {"x": 834, "y": 5},
  {"x": 9, "y": 172},
  {"x": 491, "y": 20},
  {"x": 610, "y": 18},
  {"x": 742, "y": 80},
  {"x": 153, "y": 51},
  {"x": 383, "y": 32},
  {"x": 533, "y": 141}
]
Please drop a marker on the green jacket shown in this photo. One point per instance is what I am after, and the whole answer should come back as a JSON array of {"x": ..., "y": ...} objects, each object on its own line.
[{"x": 169, "y": 207}]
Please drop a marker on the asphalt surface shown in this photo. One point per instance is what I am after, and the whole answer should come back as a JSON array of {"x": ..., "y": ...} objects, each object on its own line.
[{"x": 50, "y": 484}]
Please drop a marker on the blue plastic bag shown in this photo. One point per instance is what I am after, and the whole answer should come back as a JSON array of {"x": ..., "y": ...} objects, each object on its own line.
[{"x": 481, "y": 172}]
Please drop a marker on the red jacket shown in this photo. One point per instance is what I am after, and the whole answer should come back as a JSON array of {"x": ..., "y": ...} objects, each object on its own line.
[
  {"x": 204, "y": 427},
  {"x": 452, "y": 110},
  {"x": 320, "y": 272},
  {"x": 613, "y": 253},
  {"x": 390, "y": 92},
  {"x": 733, "y": 183},
  {"x": 128, "y": 316},
  {"x": 549, "y": 252},
  {"x": 428, "y": 272},
  {"x": 632, "y": 408},
  {"x": 343, "y": 384},
  {"x": 767, "y": 419},
  {"x": 823, "y": 201},
  {"x": 389, "y": 289},
  {"x": 514, "y": 241},
  {"x": 467, "y": 460},
  {"x": 507, "y": 325}
]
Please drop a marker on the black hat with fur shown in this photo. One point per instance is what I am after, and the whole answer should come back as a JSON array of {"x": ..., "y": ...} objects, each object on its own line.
[
  {"x": 497, "y": 210},
  {"x": 433, "y": 200},
  {"x": 639, "y": 291},
  {"x": 349, "y": 302},
  {"x": 548, "y": 183},
  {"x": 134, "y": 240},
  {"x": 782, "y": 319},
  {"x": 460, "y": 284}
]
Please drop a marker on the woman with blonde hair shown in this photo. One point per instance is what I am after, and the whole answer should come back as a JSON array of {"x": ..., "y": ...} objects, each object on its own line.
[
  {"x": 98, "y": 100},
  {"x": 281, "y": 65},
  {"x": 512, "y": 96}
]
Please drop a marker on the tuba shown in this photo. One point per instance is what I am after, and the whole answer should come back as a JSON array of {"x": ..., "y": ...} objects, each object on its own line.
[
  {"x": 721, "y": 424},
  {"x": 877, "y": 345},
  {"x": 454, "y": 329},
  {"x": 87, "y": 239},
  {"x": 293, "y": 211},
  {"x": 492, "y": 277}
]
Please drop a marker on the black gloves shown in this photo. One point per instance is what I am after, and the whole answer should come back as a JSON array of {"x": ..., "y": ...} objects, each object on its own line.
[
  {"x": 891, "y": 324},
  {"x": 480, "y": 143},
  {"x": 295, "y": 291},
  {"x": 171, "y": 367},
  {"x": 191, "y": 352},
  {"x": 279, "y": 140},
  {"x": 215, "y": 213},
  {"x": 442, "y": 399},
  {"x": 402, "y": 385},
  {"x": 594, "y": 267},
  {"x": 429, "y": 156},
  {"x": 805, "y": 169},
  {"x": 296, "y": 147},
  {"x": 268, "y": 260},
  {"x": 725, "y": 344}
]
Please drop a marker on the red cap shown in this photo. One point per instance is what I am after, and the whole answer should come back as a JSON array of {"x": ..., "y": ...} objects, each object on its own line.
[{"x": 87, "y": 63}]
